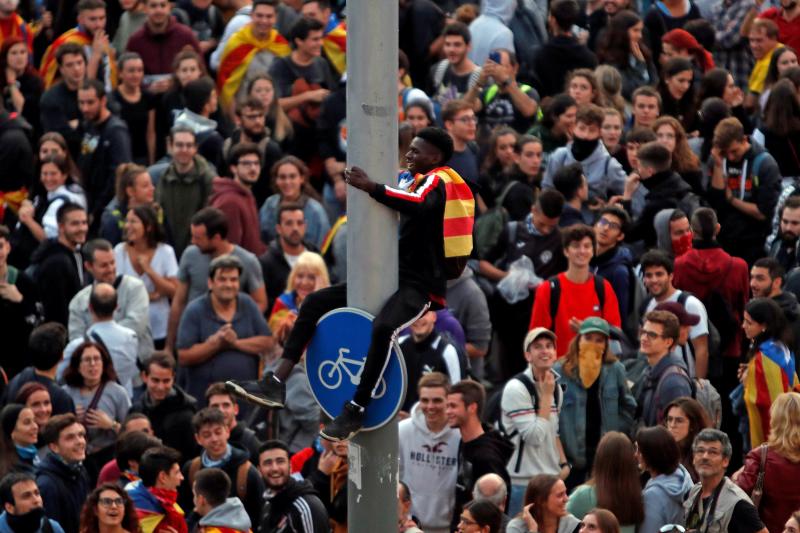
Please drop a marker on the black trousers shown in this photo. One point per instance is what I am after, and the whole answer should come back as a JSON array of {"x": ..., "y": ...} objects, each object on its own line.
[{"x": 400, "y": 310}]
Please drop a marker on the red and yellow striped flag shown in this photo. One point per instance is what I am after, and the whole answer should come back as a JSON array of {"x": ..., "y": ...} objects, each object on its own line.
[
  {"x": 334, "y": 43},
  {"x": 459, "y": 213},
  {"x": 240, "y": 50}
]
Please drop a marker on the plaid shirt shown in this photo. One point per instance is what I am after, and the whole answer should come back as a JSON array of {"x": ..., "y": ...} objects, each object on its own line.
[{"x": 732, "y": 50}]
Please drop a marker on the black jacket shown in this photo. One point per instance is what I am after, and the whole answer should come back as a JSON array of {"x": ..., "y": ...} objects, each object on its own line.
[
  {"x": 64, "y": 489},
  {"x": 57, "y": 277},
  {"x": 16, "y": 323},
  {"x": 555, "y": 59},
  {"x": 16, "y": 153},
  {"x": 57, "y": 108},
  {"x": 244, "y": 438},
  {"x": 255, "y": 485},
  {"x": 791, "y": 310},
  {"x": 103, "y": 148},
  {"x": 299, "y": 515},
  {"x": 422, "y": 262},
  {"x": 664, "y": 191},
  {"x": 171, "y": 420}
]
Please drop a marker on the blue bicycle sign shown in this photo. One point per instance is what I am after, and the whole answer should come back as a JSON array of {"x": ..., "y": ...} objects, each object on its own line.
[{"x": 334, "y": 362}]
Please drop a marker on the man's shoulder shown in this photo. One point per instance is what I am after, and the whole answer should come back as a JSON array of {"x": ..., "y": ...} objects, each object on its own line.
[{"x": 248, "y": 258}]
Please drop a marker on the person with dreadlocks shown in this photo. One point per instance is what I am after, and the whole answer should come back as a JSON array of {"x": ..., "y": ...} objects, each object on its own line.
[{"x": 429, "y": 247}]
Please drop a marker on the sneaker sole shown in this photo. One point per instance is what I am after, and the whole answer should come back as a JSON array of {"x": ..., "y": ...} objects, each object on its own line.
[
  {"x": 252, "y": 398},
  {"x": 330, "y": 438}
]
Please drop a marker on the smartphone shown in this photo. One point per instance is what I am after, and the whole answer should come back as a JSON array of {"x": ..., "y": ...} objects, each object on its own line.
[{"x": 495, "y": 56}]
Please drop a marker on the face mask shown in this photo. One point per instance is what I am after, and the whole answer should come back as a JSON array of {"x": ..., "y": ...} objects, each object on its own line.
[
  {"x": 28, "y": 522},
  {"x": 581, "y": 148},
  {"x": 590, "y": 361},
  {"x": 682, "y": 244}
]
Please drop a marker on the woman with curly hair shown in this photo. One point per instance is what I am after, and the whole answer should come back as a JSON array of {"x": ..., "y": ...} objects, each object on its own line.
[
  {"x": 781, "y": 492},
  {"x": 614, "y": 484},
  {"x": 109, "y": 509},
  {"x": 684, "y": 419},
  {"x": 670, "y": 133}
]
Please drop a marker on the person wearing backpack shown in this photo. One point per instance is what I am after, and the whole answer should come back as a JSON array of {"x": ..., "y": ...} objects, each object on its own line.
[
  {"x": 531, "y": 404},
  {"x": 657, "y": 269},
  {"x": 568, "y": 298},
  {"x": 614, "y": 262},
  {"x": 596, "y": 397},
  {"x": 454, "y": 75},
  {"x": 744, "y": 190},
  {"x": 665, "y": 189},
  {"x": 667, "y": 377},
  {"x": 212, "y": 434}
]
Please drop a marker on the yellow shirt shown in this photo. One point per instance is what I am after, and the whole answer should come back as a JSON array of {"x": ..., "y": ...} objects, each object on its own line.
[{"x": 759, "y": 73}]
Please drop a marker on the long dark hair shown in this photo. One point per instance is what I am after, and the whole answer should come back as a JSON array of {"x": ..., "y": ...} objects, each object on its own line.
[
  {"x": 89, "y": 523},
  {"x": 537, "y": 492},
  {"x": 687, "y": 105},
  {"x": 767, "y": 312},
  {"x": 614, "y": 47},
  {"x": 698, "y": 420},
  {"x": 72, "y": 375},
  {"x": 772, "y": 71},
  {"x": 615, "y": 476},
  {"x": 782, "y": 112},
  {"x": 713, "y": 83},
  {"x": 485, "y": 513},
  {"x": 153, "y": 232},
  {"x": 4, "y": 50}
]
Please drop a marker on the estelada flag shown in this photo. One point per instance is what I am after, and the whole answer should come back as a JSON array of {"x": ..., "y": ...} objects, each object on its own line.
[
  {"x": 334, "y": 43},
  {"x": 240, "y": 50},
  {"x": 49, "y": 68}
]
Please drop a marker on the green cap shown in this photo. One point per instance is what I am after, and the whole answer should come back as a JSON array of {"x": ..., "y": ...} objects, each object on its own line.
[{"x": 594, "y": 323}]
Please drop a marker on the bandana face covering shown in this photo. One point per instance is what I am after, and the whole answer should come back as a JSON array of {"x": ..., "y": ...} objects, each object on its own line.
[
  {"x": 28, "y": 522},
  {"x": 590, "y": 361},
  {"x": 582, "y": 148},
  {"x": 682, "y": 244}
]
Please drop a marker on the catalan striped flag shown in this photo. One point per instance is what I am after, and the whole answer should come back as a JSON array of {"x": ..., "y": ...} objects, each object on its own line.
[
  {"x": 334, "y": 43},
  {"x": 15, "y": 26},
  {"x": 49, "y": 68},
  {"x": 771, "y": 372},
  {"x": 284, "y": 305},
  {"x": 242, "y": 47},
  {"x": 156, "y": 509},
  {"x": 459, "y": 213}
]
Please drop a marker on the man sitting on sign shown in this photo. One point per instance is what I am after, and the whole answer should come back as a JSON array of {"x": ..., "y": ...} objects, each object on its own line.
[{"x": 434, "y": 245}]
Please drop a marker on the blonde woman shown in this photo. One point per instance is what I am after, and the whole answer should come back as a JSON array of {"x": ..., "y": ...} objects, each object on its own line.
[
  {"x": 309, "y": 274},
  {"x": 781, "y": 493}
]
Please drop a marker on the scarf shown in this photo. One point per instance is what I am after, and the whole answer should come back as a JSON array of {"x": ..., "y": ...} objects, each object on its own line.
[
  {"x": 237, "y": 55},
  {"x": 208, "y": 462},
  {"x": 590, "y": 361},
  {"x": 173, "y": 514},
  {"x": 26, "y": 453}
]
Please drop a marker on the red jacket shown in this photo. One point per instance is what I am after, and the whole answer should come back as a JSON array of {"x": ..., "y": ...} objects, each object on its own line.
[
  {"x": 781, "y": 487},
  {"x": 158, "y": 50},
  {"x": 707, "y": 266},
  {"x": 239, "y": 205}
]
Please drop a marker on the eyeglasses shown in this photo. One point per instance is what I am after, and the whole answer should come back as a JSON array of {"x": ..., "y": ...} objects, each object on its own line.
[
  {"x": 672, "y": 527},
  {"x": 605, "y": 223},
  {"x": 652, "y": 335},
  {"x": 91, "y": 360},
  {"x": 111, "y": 502},
  {"x": 713, "y": 452},
  {"x": 467, "y": 120}
]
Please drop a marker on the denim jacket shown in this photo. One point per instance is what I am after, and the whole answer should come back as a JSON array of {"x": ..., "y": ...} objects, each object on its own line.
[{"x": 617, "y": 407}]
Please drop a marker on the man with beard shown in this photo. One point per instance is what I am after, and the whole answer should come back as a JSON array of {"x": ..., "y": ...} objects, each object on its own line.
[
  {"x": 276, "y": 263},
  {"x": 23, "y": 507},
  {"x": 715, "y": 493},
  {"x": 767, "y": 281},
  {"x": 61, "y": 476},
  {"x": 292, "y": 506},
  {"x": 454, "y": 75},
  {"x": 785, "y": 249},
  {"x": 222, "y": 333},
  {"x": 787, "y": 18},
  {"x": 605, "y": 174},
  {"x": 253, "y": 129},
  {"x": 91, "y": 35},
  {"x": 209, "y": 229},
  {"x": 106, "y": 144},
  {"x": 234, "y": 197}
]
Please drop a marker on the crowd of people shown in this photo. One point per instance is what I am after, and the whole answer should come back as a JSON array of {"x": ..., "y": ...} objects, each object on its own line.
[{"x": 619, "y": 353}]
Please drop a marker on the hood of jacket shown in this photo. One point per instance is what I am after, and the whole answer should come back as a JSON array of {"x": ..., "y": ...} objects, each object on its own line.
[
  {"x": 222, "y": 186},
  {"x": 198, "y": 123},
  {"x": 230, "y": 514},
  {"x": 707, "y": 262},
  {"x": 674, "y": 486},
  {"x": 502, "y": 9},
  {"x": 661, "y": 225},
  {"x": 789, "y": 305}
]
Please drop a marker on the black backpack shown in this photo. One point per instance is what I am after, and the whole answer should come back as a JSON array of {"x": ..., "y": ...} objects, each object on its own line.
[{"x": 555, "y": 294}]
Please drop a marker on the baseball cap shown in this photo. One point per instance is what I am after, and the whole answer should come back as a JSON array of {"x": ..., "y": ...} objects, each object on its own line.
[
  {"x": 594, "y": 324},
  {"x": 685, "y": 318},
  {"x": 534, "y": 334}
]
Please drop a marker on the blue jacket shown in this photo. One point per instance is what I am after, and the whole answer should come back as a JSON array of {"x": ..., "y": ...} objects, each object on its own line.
[
  {"x": 64, "y": 488},
  {"x": 614, "y": 265},
  {"x": 617, "y": 407},
  {"x": 663, "y": 499},
  {"x": 5, "y": 528}
]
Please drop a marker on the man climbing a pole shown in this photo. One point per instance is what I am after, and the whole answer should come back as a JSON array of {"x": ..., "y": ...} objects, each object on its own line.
[{"x": 434, "y": 244}]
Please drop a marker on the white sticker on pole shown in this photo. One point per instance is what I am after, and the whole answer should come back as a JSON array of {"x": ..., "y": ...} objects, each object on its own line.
[{"x": 354, "y": 468}]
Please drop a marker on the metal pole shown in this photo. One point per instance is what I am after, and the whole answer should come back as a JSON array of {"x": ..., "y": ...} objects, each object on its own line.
[{"x": 372, "y": 42}]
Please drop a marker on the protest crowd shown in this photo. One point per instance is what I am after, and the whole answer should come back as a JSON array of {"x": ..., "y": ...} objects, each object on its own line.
[{"x": 619, "y": 354}]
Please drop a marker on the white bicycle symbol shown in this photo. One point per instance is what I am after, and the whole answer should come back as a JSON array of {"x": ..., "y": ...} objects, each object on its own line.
[{"x": 332, "y": 378}]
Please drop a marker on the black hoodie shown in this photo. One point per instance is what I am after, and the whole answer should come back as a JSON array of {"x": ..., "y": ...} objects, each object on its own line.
[
  {"x": 665, "y": 190},
  {"x": 283, "y": 505},
  {"x": 171, "y": 420},
  {"x": 58, "y": 277},
  {"x": 555, "y": 59}
]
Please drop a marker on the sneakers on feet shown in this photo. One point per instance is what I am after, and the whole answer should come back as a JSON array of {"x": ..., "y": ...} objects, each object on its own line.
[
  {"x": 267, "y": 392},
  {"x": 346, "y": 425}
]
